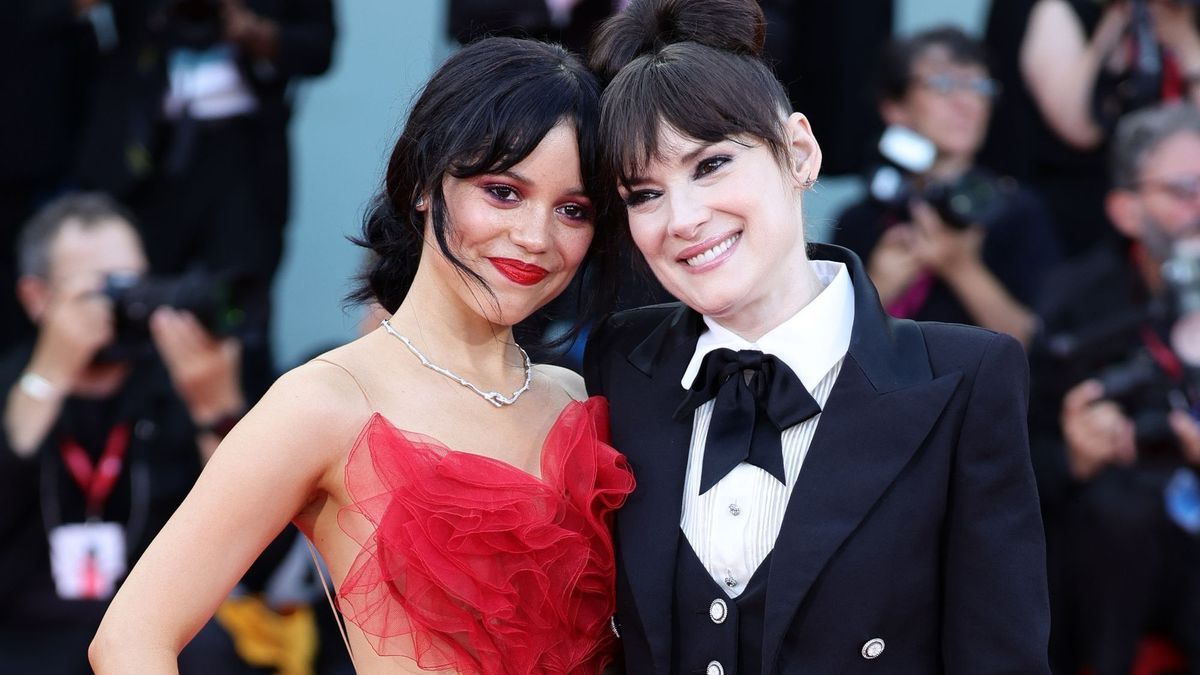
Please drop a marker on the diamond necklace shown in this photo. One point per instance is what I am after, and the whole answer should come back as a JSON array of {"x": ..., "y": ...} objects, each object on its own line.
[{"x": 494, "y": 397}]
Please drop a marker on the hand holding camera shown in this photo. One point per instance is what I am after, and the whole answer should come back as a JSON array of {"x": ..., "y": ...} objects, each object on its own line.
[
  {"x": 1188, "y": 432},
  {"x": 945, "y": 250},
  {"x": 892, "y": 266},
  {"x": 1096, "y": 430},
  {"x": 203, "y": 369},
  {"x": 1174, "y": 24},
  {"x": 77, "y": 323}
]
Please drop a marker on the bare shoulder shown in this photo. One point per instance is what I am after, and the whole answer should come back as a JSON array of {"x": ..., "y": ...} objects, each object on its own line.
[
  {"x": 315, "y": 404},
  {"x": 570, "y": 381}
]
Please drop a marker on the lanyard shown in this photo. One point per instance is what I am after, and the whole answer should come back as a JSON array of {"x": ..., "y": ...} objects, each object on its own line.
[
  {"x": 1162, "y": 354},
  {"x": 97, "y": 481}
]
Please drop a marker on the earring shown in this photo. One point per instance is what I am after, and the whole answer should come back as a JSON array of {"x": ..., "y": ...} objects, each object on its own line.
[
  {"x": 420, "y": 202},
  {"x": 808, "y": 183}
]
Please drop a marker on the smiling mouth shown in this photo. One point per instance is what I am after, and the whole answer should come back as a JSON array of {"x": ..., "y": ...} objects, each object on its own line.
[
  {"x": 519, "y": 272},
  {"x": 712, "y": 253}
]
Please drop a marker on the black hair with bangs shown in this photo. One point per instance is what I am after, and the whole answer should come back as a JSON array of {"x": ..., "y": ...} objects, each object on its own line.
[
  {"x": 691, "y": 65},
  {"x": 482, "y": 112}
]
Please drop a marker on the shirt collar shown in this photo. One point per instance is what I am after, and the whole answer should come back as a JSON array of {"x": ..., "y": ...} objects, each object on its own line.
[{"x": 811, "y": 342}]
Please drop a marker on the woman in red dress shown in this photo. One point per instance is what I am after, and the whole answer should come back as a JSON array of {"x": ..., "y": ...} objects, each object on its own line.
[{"x": 460, "y": 496}]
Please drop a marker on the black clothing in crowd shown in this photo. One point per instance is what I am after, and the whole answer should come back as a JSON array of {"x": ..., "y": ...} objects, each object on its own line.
[
  {"x": 1021, "y": 144},
  {"x": 40, "y": 632},
  {"x": 826, "y": 53},
  {"x": 210, "y": 192},
  {"x": 39, "y": 120},
  {"x": 469, "y": 20},
  {"x": 1120, "y": 568},
  {"x": 1019, "y": 248}
]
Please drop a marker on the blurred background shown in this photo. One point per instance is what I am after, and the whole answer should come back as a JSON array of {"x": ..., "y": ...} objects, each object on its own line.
[
  {"x": 1028, "y": 166},
  {"x": 347, "y": 120}
]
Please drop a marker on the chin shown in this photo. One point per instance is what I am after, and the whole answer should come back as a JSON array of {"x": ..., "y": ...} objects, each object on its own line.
[
  {"x": 512, "y": 313},
  {"x": 714, "y": 303}
]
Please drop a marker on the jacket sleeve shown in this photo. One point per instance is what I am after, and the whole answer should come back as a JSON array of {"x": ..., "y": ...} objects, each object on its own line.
[{"x": 996, "y": 614}]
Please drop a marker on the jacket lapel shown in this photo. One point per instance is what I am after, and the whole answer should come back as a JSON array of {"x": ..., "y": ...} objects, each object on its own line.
[
  {"x": 648, "y": 523},
  {"x": 863, "y": 441},
  {"x": 879, "y": 412}
]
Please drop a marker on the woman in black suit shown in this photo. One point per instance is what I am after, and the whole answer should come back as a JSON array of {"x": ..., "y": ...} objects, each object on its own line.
[{"x": 821, "y": 488}]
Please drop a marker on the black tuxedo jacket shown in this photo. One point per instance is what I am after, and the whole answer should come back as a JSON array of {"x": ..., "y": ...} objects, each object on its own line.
[{"x": 914, "y": 519}]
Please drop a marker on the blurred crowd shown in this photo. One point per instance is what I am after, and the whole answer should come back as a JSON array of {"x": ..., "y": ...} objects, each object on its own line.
[{"x": 1040, "y": 179}]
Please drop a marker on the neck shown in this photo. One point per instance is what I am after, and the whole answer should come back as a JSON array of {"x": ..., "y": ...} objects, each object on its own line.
[
  {"x": 948, "y": 168},
  {"x": 455, "y": 336},
  {"x": 800, "y": 287}
]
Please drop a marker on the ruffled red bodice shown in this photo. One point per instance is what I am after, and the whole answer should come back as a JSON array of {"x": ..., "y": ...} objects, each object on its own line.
[{"x": 471, "y": 564}]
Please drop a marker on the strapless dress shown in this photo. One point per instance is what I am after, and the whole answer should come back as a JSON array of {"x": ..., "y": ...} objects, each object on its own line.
[{"x": 473, "y": 565}]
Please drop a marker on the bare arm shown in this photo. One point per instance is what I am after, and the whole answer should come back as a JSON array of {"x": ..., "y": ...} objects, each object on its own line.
[
  {"x": 264, "y": 473},
  {"x": 956, "y": 257},
  {"x": 989, "y": 303},
  {"x": 204, "y": 371},
  {"x": 1060, "y": 65}
]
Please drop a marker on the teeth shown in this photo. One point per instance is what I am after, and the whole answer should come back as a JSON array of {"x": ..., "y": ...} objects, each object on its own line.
[{"x": 712, "y": 253}]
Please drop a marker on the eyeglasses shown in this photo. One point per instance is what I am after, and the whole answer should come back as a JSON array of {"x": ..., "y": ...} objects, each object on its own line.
[
  {"x": 1183, "y": 188},
  {"x": 945, "y": 84}
]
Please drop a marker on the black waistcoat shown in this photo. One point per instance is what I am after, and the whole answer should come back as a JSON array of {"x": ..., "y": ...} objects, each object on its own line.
[{"x": 709, "y": 626}]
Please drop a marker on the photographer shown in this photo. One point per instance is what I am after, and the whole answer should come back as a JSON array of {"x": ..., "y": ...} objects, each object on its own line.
[
  {"x": 1113, "y": 426},
  {"x": 981, "y": 266},
  {"x": 1083, "y": 82},
  {"x": 102, "y": 437},
  {"x": 1070, "y": 70}
]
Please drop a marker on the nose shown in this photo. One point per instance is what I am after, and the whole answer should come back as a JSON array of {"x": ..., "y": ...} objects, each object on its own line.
[
  {"x": 688, "y": 212},
  {"x": 531, "y": 231}
]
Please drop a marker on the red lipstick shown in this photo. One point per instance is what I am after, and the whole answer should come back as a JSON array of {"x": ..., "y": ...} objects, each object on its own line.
[{"x": 519, "y": 272}]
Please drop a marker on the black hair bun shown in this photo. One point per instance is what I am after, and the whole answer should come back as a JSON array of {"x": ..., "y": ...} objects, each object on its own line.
[{"x": 647, "y": 26}]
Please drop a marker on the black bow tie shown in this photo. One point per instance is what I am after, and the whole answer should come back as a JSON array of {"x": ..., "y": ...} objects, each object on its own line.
[{"x": 757, "y": 397}]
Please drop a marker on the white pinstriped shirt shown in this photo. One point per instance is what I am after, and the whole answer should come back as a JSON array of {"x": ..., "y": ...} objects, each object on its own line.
[{"x": 733, "y": 526}]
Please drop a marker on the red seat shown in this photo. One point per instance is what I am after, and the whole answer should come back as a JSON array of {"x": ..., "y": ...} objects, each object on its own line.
[{"x": 1156, "y": 656}]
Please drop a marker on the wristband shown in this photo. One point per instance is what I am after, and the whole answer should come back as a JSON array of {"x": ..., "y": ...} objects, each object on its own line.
[{"x": 37, "y": 387}]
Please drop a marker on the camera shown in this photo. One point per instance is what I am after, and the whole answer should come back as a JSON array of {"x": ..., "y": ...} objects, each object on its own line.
[
  {"x": 224, "y": 304},
  {"x": 975, "y": 198},
  {"x": 1160, "y": 374}
]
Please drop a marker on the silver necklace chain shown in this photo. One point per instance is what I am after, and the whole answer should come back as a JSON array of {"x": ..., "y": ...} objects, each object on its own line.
[{"x": 494, "y": 397}]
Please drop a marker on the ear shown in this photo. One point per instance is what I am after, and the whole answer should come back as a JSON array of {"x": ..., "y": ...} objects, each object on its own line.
[
  {"x": 803, "y": 150},
  {"x": 34, "y": 295},
  {"x": 894, "y": 113},
  {"x": 1124, "y": 211}
]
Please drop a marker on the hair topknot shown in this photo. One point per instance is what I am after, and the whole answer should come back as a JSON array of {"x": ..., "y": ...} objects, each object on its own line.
[{"x": 646, "y": 26}]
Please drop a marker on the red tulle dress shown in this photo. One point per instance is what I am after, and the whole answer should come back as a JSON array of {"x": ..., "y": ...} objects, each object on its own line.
[{"x": 471, "y": 564}]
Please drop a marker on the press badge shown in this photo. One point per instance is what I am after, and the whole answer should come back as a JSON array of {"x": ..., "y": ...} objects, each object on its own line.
[{"x": 87, "y": 559}]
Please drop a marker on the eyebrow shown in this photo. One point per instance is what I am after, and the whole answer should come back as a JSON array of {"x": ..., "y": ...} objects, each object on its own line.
[{"x": 687, "y": 158}]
